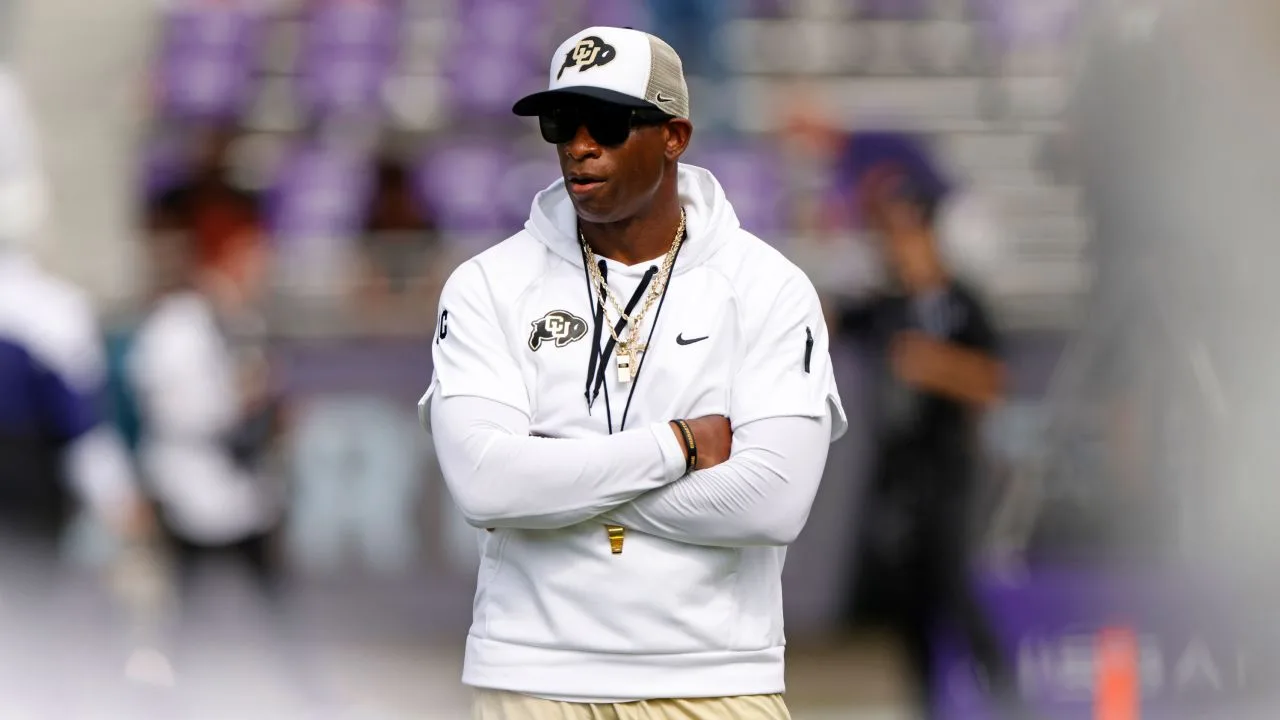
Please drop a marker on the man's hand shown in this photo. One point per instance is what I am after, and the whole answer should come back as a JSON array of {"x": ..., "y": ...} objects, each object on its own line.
[
  {"x": 939, "y": 367},
  {"x": 916, "y": 357},
  {"x": 714, "y": 437}
]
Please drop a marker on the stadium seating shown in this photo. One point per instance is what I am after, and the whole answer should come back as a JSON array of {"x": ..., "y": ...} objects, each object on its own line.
[
  {"x": 319, "y": 193},
  {"x": 497, "y": 52},
  {"x": 461, "y": 176},
  {"x": 753, "y": 182},
  {"x": 983, "y": 78}
]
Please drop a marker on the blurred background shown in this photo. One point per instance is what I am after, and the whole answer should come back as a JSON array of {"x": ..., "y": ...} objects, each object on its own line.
[{"x": 250, "y": 207}]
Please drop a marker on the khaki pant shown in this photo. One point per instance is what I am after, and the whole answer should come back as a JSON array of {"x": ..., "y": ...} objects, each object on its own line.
[{"x": 497, "y": 705}]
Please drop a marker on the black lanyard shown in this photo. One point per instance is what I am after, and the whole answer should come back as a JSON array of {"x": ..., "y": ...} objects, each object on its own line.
[
  {"x": 599, "y": 359},
  {"x": 635, "y": 380},
  {"x": 597, "y": 367}
]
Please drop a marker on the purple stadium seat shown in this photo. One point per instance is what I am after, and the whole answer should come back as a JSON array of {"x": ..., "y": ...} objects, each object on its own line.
[
  {"x": 517, "y": 29},
  {"x": 206, "y": 60},
  {"x": 753, "y": 182},
  {"x": 1012, "y": 25},
  {"x": 344, "y": 83},
  {"x": 500, "y": 53},
  {"x": 201, "y": 86},
  {"x": 487, "y": 85},
  {"x": 359, "y": 24},
  {"x": 460, "y": 179},
  {"x": 351, "y": 49},
  {"x": 210, "y": 27},
  {"x": 319, "y": 194}
]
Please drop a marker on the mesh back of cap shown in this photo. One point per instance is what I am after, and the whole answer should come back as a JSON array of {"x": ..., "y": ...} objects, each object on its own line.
[{"x": 667, "y": 88}]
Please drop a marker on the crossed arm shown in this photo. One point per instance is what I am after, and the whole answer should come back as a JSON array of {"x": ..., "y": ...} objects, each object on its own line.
[
  {"x": 501, "y": 477},
  {"x": 760, "y": 496}
]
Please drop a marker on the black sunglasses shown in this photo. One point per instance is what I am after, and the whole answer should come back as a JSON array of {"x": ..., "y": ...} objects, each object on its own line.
[{"x": 608, "y": 124}]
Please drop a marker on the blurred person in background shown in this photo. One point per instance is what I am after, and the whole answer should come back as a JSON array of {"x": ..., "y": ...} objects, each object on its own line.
[
  {"x": 935, "y": 353},
  {"x": 401, "y": 244},
  {"x": 209, "y": 411},
  {"x": 220, "y": 213},
  {"x": 55, "y": 441},
  {"x": 59, "y": 454}
]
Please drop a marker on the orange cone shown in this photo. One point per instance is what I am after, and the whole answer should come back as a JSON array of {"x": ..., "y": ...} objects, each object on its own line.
[{"x": 1118, "y": 694}]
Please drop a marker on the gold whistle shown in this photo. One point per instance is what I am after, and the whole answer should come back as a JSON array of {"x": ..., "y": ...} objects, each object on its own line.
[{"x": 616, "y": 534}]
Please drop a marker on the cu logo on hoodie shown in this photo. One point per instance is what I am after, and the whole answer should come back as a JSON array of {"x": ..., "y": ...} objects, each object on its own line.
[
  {"x": 558, "y": 326},
  {"x": 590, "y": 52}
]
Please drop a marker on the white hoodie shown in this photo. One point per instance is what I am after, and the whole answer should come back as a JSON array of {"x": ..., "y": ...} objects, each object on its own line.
[
  {"x": 692, "y": 606},
  {"x": 185, "y": 376}
]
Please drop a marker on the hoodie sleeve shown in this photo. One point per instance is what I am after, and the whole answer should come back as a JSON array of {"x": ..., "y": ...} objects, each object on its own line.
[
  {"x": 785, "y": 412},
  {"x": 786, "y": 370},
  {"x": 500, "y": 476},
  {"x": 477, "y": 411},
  {"x": 761, "y": 496},
  {"x": 469, "y": 354}
]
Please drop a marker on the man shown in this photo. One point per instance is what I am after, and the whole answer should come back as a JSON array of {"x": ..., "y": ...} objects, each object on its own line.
[
  {"x": 631, "y": 562},
  {"x": 209, "y": 412},
  {"x": 937, "y": 353}
]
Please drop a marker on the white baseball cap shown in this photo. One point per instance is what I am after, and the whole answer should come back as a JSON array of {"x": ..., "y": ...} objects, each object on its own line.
[{"x": 617, "y": 65}]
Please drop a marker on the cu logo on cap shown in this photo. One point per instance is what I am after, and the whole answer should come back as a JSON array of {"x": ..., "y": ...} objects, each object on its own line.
[
  {"x": 590, "y": 52},
  {"x": 558, "y": 326}
]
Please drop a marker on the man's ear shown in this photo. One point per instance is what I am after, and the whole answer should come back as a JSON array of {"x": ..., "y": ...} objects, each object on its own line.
[{"x": 678, "y": 133}]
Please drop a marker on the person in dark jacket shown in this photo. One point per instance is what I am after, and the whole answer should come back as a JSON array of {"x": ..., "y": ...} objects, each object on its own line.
[{"x": 936, "y": 354}]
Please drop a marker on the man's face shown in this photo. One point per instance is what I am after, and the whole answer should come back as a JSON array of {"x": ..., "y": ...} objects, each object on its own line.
[
  {"x": 900, "y": 225},
  {"x": 246, "y": 262},
  {"x": 611, "y": 181}
]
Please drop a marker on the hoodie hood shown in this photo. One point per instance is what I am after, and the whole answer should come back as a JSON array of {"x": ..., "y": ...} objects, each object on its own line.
[{"x": 710, "y": 222}]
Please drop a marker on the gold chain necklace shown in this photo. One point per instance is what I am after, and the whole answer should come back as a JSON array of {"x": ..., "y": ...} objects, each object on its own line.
[{"x": 630, "y": 347}]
